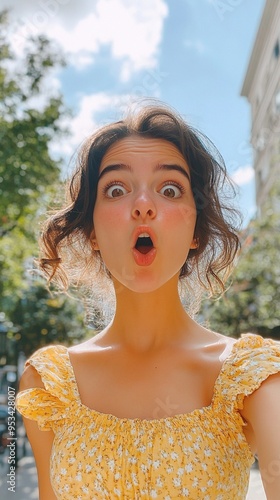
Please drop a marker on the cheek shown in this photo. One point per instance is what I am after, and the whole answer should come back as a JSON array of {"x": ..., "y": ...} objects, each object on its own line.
[
  {"x": 107, "y": 222},
  {"x": 107, "y": 215},
  {"x": 182, "y": 216},
  {"x": 188, "y": 214}
]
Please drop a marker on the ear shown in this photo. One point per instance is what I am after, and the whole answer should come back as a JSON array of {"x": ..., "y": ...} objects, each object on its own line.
[
  {"x": 194, "y": 244},
  {"x": 93, "y": 241}
]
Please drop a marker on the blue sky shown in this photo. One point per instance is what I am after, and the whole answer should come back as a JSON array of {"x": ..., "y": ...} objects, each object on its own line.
[{"x": 191, "y": 54}]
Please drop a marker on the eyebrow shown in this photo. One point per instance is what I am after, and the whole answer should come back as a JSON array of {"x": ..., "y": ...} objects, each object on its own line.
[
  {"x": 173, "y": 166},
  {"x": 114, "y": 167},
  {"x": 161, "y": 166}
]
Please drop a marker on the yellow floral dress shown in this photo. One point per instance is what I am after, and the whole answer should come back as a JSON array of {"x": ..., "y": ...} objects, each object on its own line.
[{"x": 200, "y": 455}]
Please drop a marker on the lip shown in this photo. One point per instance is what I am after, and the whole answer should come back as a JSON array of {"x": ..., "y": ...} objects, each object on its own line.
[
  {"x": 144, "y": 259},
  {"x": 140, "y": 258}
]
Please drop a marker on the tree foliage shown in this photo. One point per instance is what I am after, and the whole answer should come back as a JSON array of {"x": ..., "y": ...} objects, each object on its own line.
[
  {"x": 26, "y": 167},
  {"x": 29, "y": 176},
  {"x": 46, "y": 318},
  {"x": 27, "y": 171},
  {"x": 251, "y": 304}
]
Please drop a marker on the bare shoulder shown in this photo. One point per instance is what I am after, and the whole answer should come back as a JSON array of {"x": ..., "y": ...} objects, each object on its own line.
[
  {"x": 91, "y": 353},
  {"x": 217, "y": 345},
  {"x": 262, "y": 411},
  {"x": 94, "y": 344},
  {"x": 226, "y": 345},
  {"x": 30, "y": 378},
  {"x": 264, "y": 399}
]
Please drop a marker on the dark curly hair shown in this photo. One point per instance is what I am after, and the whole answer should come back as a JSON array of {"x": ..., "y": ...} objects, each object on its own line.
[{"x": 67, "y": 255}]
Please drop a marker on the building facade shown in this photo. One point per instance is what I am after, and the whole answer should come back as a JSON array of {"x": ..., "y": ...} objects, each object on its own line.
[{"x": 262, "y": 89}]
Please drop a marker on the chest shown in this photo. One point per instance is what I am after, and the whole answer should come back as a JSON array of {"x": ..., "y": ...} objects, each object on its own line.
[{"x": 146, "y": 388}]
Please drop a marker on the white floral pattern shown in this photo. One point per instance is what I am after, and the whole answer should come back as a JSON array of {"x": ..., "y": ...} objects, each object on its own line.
[{"x": 200, "y": 455}]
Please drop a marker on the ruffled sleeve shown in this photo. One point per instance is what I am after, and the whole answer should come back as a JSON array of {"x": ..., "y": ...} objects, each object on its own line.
[
  {"x": 252, "y": 360},
  {"x": 49, "y": 405}
]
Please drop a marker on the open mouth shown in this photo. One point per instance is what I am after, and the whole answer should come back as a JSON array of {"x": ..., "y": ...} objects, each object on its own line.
[{"x": 144, "y": 243}]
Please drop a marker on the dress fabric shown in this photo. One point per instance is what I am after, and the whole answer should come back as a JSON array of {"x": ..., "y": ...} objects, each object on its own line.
[{"x": 200, "y": 455}]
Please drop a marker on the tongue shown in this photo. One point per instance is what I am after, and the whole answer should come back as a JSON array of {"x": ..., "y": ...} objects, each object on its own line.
[{"x": 144, "y": 249}]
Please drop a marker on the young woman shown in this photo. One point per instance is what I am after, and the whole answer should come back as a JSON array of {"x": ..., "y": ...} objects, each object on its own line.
[{"x": 155, "y": 405}]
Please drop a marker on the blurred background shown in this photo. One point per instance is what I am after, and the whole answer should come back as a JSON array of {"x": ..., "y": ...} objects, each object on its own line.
[{"x": 67, "y": 67}]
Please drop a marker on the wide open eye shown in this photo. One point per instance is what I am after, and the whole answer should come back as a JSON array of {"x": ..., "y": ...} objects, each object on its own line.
[
  {"x": 171, "y": 191},
  {"x": 115, "y": 190}
]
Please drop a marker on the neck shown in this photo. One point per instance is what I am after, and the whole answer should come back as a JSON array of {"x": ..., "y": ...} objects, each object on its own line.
[{"x": 149, "y": 321}]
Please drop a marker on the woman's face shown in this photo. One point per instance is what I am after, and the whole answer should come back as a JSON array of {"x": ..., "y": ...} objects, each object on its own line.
[{"x": 145, "y": 215}]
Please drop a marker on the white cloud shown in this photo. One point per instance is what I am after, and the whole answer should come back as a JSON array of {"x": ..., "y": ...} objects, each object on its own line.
[
  {"x": 86, "y": 121},
  {"x": 91, "y": 112},
  {"x": 243, "y": 175},
  {"x": 95, "y": 110},
  {"x": 132, "y": 30}
]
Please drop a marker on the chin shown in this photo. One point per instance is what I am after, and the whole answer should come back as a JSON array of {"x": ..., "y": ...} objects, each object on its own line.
[
  {"x": 135, "y": 288},
  {"x": 147, "y": 285}
]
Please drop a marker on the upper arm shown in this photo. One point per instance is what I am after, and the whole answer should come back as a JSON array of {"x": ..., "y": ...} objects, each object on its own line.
[
  {"x": 262, "y": 411},
  {"x": 41, "y": 441}
]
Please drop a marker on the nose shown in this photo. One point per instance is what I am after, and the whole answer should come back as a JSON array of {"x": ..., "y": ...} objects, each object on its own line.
[{"x": 144, "y": 206}]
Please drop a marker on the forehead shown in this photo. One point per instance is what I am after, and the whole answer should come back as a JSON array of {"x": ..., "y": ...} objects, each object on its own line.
[{"x": 133, "y": 147}]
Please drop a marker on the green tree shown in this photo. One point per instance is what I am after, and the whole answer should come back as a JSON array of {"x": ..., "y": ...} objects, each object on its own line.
[
  {"x": 45, "y": 318},
  {"x": 29, "y": 177},
  {"x": 251, "y": 303},
  {"x": 27, "y": 170},
  {"x": 26, "y": 167}
]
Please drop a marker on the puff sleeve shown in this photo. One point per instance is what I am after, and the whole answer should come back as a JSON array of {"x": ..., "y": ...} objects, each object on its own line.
[
  {"x": 50, "y": 405},
  {"x": 253, "y": 359}
]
